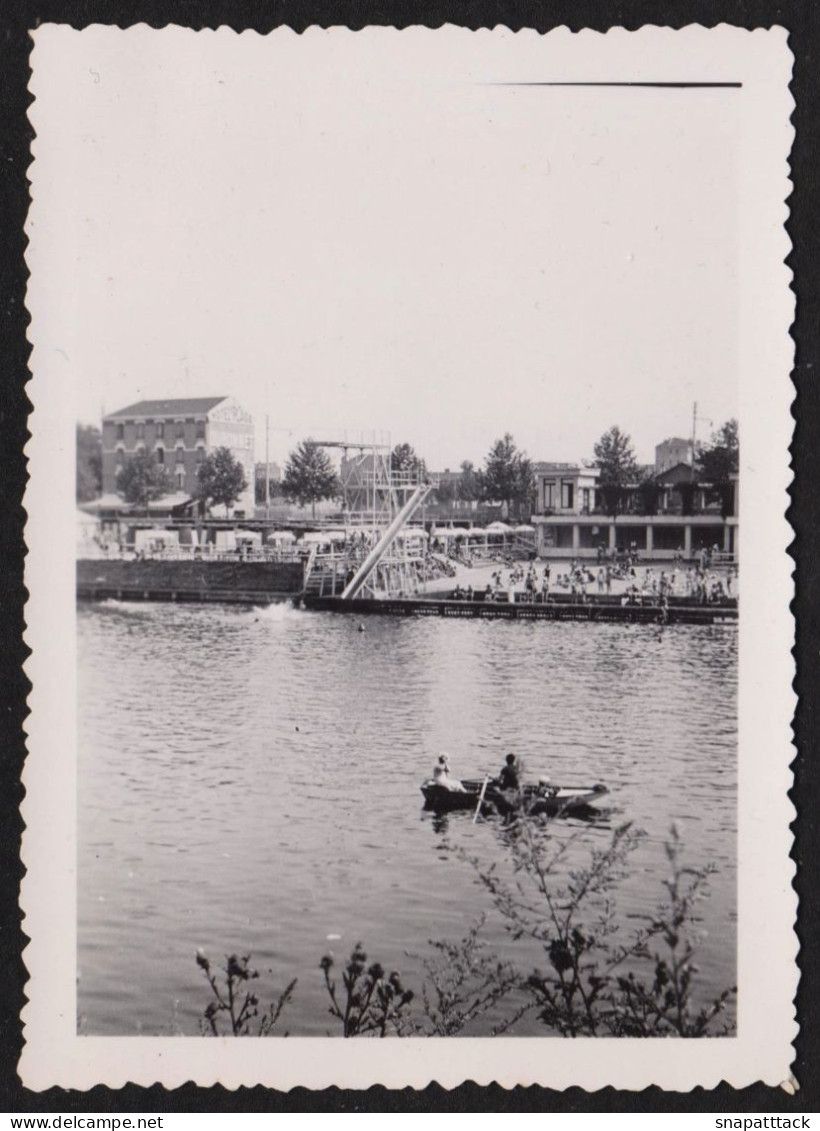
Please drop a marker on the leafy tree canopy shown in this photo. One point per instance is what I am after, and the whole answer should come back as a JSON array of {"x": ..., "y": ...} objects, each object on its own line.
[
  {"x": 309, "y": 475},
  {"x": 508, "y": 475},
  {"x": 720, "y": 458},
  {"x": 220, "y": 479},
  {"x": 446, "y": 492},
  {"x": 470, "y": 486},
  {"x": 141, "y": 479},
  {"x": 403, "y": 458},
  {"x": 615, "y": 457},
  {"x": 275, "y": 488},
  {"x": 89, "y": 462},
  {"x": 718, "y": 461}
]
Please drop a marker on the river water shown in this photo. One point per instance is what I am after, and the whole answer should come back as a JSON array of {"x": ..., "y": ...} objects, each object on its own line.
[{"x": 249, "y": 782}]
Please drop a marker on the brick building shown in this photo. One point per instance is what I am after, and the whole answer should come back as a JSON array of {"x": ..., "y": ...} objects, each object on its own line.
[
  {"x": 672, "y": 452},
  {"x": 180, "y": 433}
]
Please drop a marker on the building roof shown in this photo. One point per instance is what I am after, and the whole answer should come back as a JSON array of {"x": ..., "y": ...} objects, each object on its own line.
[
  {"x": 547, "y": 468},
  {"x": 113, "y": 502},
  {"x": 677, "y": 473},
  {"x": 184, "y": 406}
]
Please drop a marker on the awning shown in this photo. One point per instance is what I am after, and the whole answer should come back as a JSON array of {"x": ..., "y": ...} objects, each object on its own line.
[
  {"x": 169, "y": 502},
  {"x": 320, "y": 536}
]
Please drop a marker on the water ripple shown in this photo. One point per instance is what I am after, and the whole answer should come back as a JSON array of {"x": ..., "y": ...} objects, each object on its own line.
[{"x": 249, "y": 780}]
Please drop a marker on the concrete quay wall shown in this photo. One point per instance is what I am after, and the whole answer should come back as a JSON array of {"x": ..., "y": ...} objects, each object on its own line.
[
  {"x": 588, "y": 611},
  {"x": 188, "y": 580}
]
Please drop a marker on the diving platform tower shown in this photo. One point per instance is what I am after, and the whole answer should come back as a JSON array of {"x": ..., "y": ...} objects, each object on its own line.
[{"x": 378, "y": 553}]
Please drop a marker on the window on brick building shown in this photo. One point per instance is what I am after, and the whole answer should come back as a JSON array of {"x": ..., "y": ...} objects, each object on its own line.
[
  {"x": 160, "y": 455},
  {"x": 140, "y": 431},
  {"x": 200, "y": 430},
  {"x": 180, "y": 430},
  {"x": 160, "y": 429},
  {"x": 567, "y": 495},
  {"x": 120, "y": 431}
]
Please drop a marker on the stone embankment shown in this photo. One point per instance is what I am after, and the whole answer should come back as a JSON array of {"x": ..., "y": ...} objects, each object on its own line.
[
  {"x": 679, "y": 610},
  {"x": 251, "y": 582}
]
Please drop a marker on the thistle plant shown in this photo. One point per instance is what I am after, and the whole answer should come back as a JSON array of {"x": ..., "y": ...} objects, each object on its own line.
[
  {"x": 593, "y": 982},
  {"x": 235, "y": 1003},
  {"x": 373, "y": 1001},
  {"x": 664, "y": 1006},
  {"x": 463, "y": 981},
  {"x": 590, "y": 986}
]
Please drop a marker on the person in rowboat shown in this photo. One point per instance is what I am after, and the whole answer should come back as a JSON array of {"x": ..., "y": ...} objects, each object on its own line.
[
  {"x": 546, "y": 787},
  {"x": 441, "y": 776},
  {"x": 508, "y": 777}
]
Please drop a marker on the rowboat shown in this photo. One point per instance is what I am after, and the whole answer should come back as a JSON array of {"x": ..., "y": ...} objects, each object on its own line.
[{"x": 535, "y": 799}]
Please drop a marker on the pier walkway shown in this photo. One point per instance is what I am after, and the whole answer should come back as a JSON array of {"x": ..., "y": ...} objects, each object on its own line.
[{"x": 680, "y": 611}]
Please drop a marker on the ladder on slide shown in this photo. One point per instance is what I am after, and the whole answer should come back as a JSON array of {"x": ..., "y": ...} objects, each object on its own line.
[
  {"x": 308, "y": 571},
  {"x": 387, "y": 539}
]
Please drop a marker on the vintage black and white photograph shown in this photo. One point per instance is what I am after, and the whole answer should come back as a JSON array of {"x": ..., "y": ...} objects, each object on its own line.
[{"x": 419, "y": 406}]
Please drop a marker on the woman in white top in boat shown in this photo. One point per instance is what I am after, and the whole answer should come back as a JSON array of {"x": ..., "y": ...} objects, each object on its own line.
[{"x": 441, "y": 775}]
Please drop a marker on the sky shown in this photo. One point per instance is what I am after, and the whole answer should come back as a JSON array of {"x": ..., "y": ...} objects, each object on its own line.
[{"x": 359, "y": 233}]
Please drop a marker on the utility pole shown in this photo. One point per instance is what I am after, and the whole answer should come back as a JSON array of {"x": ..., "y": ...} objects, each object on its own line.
[
  {"x": 267, "y": 466},
  {"x": 694, "y": 431}
]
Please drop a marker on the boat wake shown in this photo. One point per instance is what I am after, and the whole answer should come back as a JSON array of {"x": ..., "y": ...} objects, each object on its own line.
[
  {"x": 140, "y": 608},
  {"x": 279, "y": 611}
]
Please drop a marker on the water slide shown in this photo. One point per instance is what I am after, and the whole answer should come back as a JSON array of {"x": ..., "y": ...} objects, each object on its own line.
[{"x": 385, "y": 542}]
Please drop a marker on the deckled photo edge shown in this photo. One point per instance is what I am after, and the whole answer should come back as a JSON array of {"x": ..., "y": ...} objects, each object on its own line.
[{"x": 55, "y": 1054}]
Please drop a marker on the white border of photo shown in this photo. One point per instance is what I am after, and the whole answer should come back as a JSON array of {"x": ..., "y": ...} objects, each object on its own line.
[{"x": 54, "y": 1053}]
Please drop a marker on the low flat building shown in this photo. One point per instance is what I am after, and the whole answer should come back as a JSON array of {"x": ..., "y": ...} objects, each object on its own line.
[
  {"x": 565, "y": 488},
  {"x": 676, "y": 484},
  {"x": 660, "y": 536}
]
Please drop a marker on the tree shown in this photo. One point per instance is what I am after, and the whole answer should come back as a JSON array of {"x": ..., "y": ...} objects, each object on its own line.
[
  {"x": 403, "y": 459},
  {"x": 526, "y": 484},
  {"x": 470, "y": 485},
  {"x": 718, "y": 461},
  {"x": 274, "y": 489},
  {"x": 220, "y": 479},
  {"x": 309, "y": 475},
  {"x": 142, "y": 479},
  {"x": 508, "y": 475},
  {"x": 89, "y": 462},
  {"x": 648, "y": 490},
  {"x": 615, "y": 457},
  {"x": 446, "y": 492}
]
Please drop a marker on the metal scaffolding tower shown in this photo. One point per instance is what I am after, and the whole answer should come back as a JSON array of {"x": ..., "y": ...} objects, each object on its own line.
[{"x": 381, "y": 556}]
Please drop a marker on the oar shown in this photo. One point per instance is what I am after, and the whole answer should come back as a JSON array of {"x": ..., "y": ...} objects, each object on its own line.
[
  {"x": 582, "y": 788},
  {"x": 481, "y": 798}
]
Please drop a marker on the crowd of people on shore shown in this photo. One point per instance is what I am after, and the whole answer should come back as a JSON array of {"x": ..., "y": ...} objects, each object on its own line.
[{"x": 649, "y": 585}]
